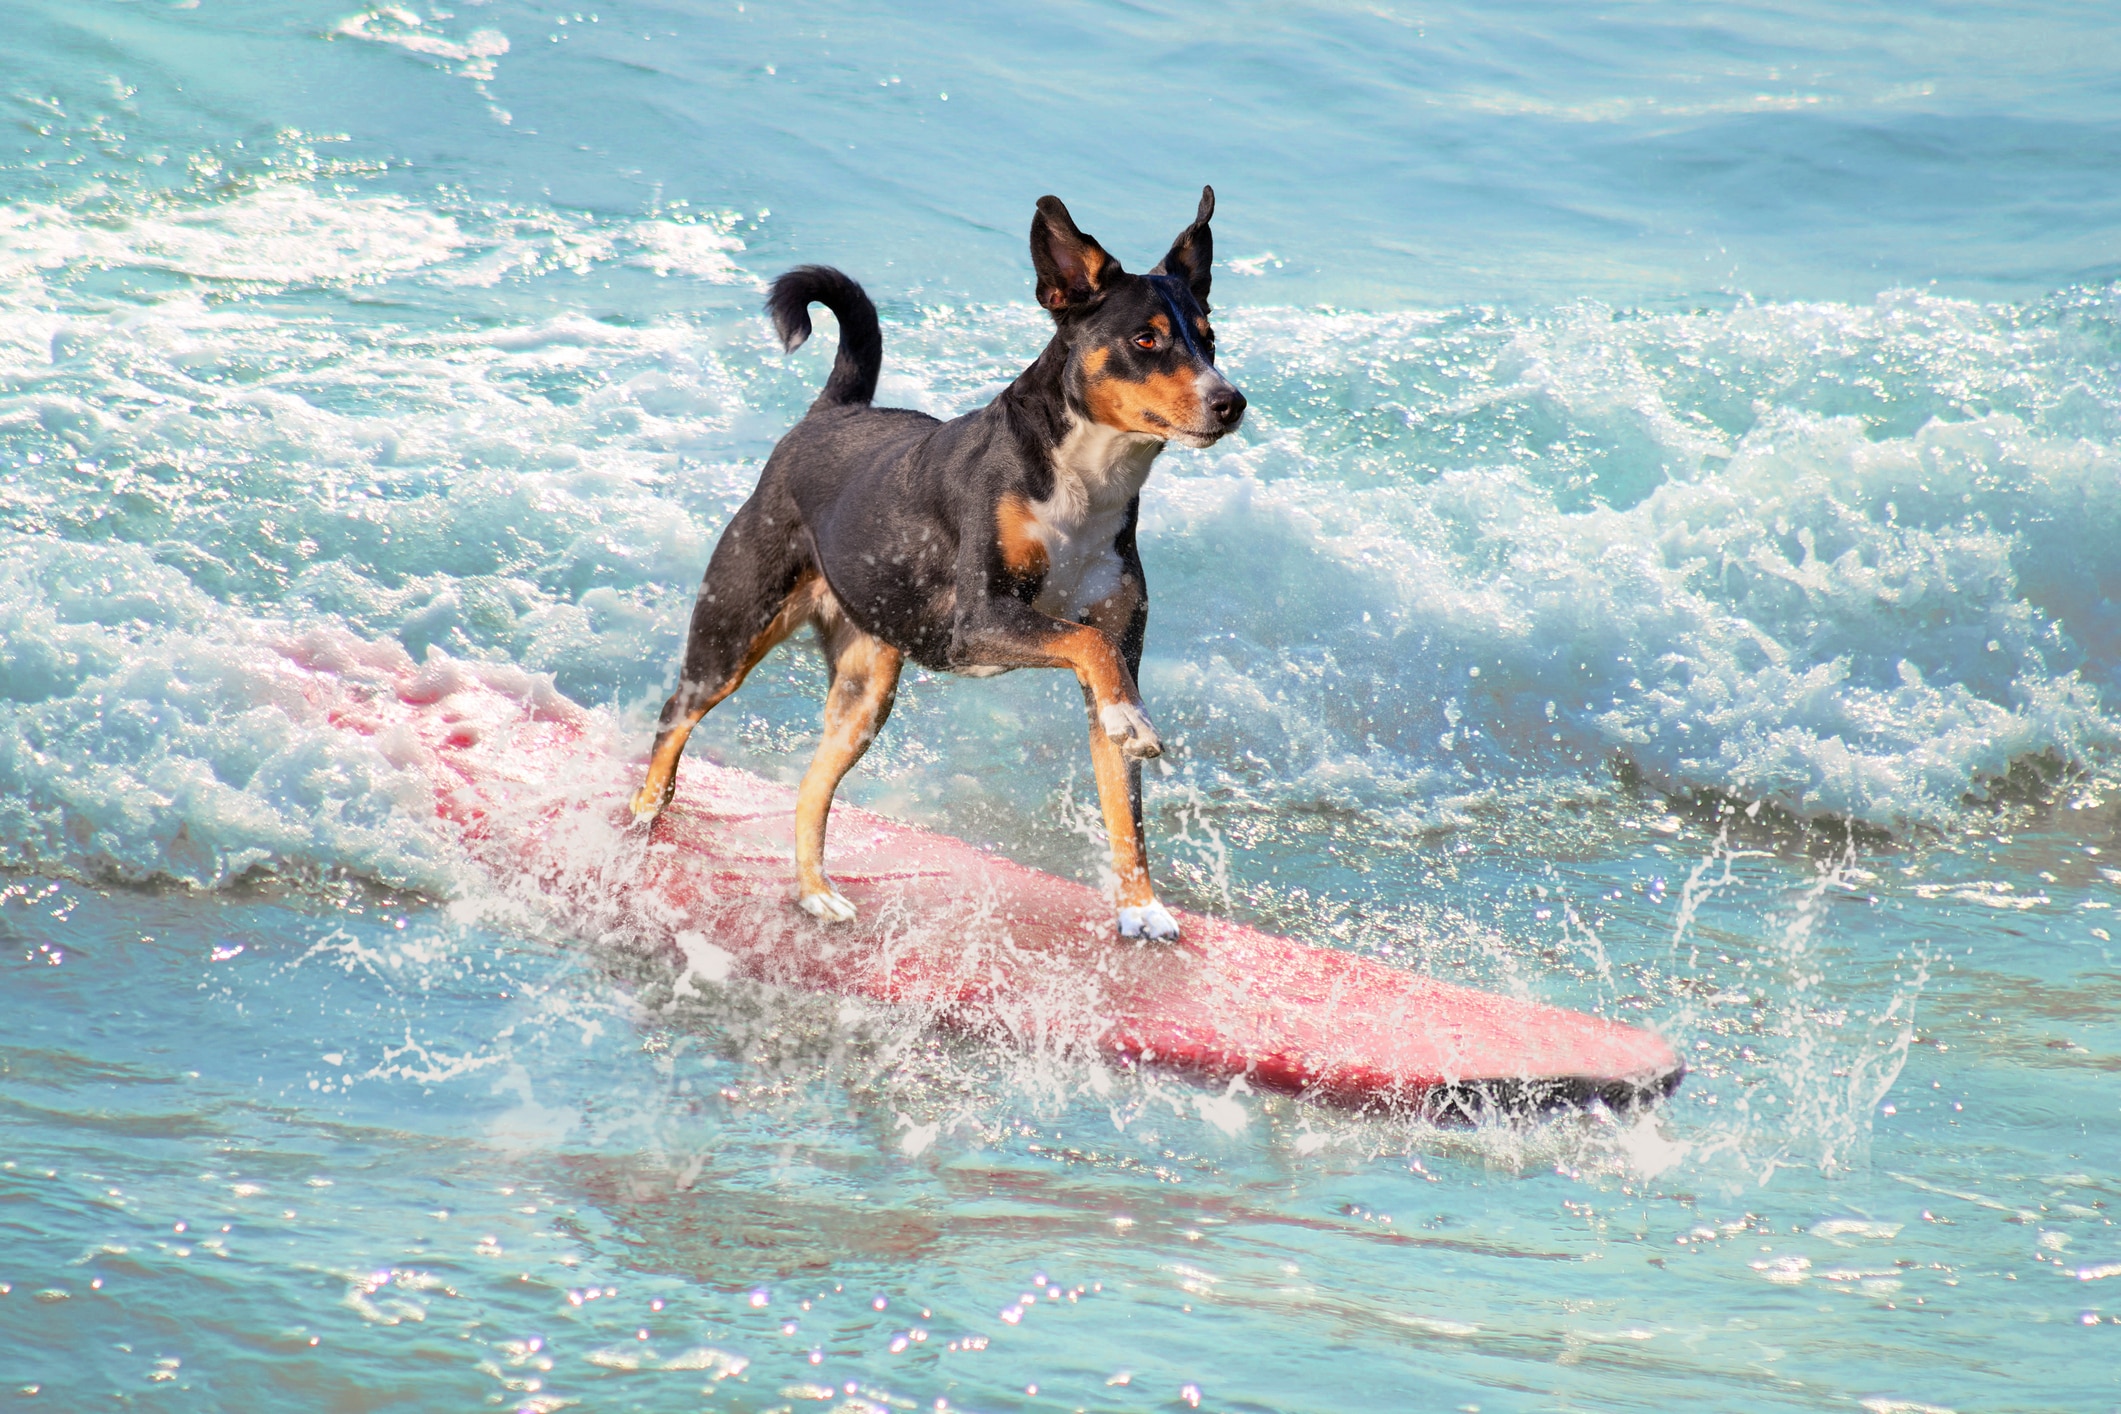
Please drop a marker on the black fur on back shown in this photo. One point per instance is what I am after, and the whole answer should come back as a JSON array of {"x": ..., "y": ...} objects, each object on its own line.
[{"x": 861, "y": 352}]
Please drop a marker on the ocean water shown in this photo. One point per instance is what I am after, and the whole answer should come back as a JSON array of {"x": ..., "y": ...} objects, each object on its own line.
[{"x": 1669, "y": 569}]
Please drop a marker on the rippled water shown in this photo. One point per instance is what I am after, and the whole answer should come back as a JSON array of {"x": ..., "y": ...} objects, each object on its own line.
[{"x": 1668, "y": 570}]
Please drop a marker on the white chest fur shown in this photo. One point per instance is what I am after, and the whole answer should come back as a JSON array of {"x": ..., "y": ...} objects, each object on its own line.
[{"x": 1097, "y": 473}]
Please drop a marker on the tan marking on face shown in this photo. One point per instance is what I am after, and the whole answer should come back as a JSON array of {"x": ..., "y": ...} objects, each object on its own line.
[
  {"x": 1161, "y": 323},
  {"x": 1106, "y": 399},
  {"x": 1157, "y": 405},
  {"x": 1024, "y": 551},
  {"x": 1173, "y": 397}
]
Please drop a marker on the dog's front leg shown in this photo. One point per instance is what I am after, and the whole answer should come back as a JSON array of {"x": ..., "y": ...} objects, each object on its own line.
[
  {"x": 1119, "y": 798},
  {"x": 1009, "y": 633},
  {"x": 1123, "y": 617}
]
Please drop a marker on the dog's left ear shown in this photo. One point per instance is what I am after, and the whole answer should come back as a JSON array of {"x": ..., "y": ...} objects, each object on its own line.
[{"x": 1194, "y": 251}]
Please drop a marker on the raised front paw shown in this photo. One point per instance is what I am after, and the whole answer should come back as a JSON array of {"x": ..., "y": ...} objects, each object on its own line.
[
  {"x": 1128, "y": 725},
  {"x": 828, "y": 905},
  {"x": 1152, "y": 921}
]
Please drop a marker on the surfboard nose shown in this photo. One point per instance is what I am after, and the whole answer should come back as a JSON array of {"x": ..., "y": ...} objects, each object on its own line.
[{"x": 1505, "y": 1053}]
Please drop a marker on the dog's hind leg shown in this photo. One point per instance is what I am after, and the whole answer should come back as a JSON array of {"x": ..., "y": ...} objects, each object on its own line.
[
  {"x": 865, "y": 673},
  {"x": 759, "y": 589}
]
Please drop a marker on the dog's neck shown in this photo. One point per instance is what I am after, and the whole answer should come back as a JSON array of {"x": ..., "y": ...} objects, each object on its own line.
[
  {"x": 1095, "y": 467},
  {"x": 1099, "y": 468}
]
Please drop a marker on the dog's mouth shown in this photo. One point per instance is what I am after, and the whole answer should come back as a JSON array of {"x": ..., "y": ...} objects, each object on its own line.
[{"x": 1205, "y": 433}]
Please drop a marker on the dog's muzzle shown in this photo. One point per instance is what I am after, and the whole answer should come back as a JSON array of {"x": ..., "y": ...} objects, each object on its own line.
[{"x": 1222, "y": 406}]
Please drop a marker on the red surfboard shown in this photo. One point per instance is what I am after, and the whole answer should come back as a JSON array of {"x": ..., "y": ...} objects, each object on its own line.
[{"x": 983, "y": 945}]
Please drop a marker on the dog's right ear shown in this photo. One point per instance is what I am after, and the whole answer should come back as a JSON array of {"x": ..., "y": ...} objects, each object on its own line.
[{"x": 1073, "y": 269}]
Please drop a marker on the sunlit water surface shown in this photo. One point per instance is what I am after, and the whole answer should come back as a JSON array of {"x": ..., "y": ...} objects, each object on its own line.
[{"x": 1667, "y": 570}]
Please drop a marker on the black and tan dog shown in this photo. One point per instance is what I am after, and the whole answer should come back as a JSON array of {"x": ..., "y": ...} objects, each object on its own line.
[{"x": 1002, "y": 539}]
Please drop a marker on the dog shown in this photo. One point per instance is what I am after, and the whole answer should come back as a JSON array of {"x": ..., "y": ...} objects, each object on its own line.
[{"x": 1001, "y": 539}]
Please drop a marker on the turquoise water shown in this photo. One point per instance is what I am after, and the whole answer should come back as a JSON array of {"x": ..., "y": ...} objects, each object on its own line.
[{"x": 1668, "y": 569}]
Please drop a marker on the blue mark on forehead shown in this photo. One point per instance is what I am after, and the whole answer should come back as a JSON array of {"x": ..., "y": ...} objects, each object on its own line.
[{"x": 1177, "y": 296}]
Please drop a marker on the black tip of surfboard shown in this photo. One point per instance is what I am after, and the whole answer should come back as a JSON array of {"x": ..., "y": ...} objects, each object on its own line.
[{"x": 1472, "y": 1102}]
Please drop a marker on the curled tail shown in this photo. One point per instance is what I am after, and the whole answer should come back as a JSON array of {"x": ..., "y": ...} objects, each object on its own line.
[{"x": 861, "y": 353}]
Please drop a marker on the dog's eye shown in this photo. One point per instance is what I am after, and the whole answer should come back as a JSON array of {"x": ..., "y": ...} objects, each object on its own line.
[{"x": 1145, "y": 340}]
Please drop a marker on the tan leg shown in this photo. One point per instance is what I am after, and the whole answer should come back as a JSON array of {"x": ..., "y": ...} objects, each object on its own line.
[
  {"x": 1121, "y": 738},
  {"x": 1115, "y": 707},
  {"x": 662, "y": 781},
  {"x": 1119, "y": 799},
  {"x": 799, "y": 608},
  {"x": 864, "y": 685}
]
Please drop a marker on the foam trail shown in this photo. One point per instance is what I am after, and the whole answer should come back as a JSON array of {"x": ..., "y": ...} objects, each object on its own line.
[{"x": 147, "y": 733}]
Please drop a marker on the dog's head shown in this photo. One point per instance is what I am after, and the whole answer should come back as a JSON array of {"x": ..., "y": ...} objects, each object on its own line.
[{"x": 1141, "y": 357}]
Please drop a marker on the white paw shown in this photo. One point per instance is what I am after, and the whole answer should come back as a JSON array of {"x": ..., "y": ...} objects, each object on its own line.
[
  {"x": 1128, "y": 725},
  {"x": 1152, "y": 920},
  {"x": 832, "y": 906}
]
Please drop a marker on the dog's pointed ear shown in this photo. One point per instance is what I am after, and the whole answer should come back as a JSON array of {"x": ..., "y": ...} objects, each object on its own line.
[
  {"x": 1193, "y": 252},
  {"x": 1073, "y": 268}
]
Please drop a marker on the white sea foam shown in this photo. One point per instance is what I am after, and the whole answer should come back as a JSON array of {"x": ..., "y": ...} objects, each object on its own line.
[
  {"x": 403, "y": 28},
  {"x": 703, "y": 249},
  {"x": 147, "y": 732},
  {"x": 278, "y": 234},
  {"x": 1809, "y": 611},
  {"x": 1777, "y": 632}
]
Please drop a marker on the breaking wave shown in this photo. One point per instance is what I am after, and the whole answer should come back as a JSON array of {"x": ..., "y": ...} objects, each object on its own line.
[{"x": 1847, "y": 560}]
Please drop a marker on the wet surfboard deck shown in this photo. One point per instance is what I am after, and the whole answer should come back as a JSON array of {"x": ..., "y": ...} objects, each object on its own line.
[{"x": 981, "y": 944}]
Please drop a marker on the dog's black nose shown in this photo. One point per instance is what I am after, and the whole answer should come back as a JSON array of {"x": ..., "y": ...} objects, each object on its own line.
[{"x": 1227, "y": 404}]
